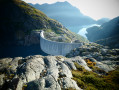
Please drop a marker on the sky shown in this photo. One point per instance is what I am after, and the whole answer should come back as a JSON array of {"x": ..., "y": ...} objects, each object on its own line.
[{"x": 95, "y": 9}]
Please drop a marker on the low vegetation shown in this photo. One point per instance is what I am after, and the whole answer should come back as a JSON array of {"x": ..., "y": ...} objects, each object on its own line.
[{"x": 89, "y": 80}]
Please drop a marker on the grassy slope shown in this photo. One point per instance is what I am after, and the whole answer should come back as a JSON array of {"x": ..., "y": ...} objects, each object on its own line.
[
  {"x": 20, "y": 19},
  {"x": 89, "y": 80}
]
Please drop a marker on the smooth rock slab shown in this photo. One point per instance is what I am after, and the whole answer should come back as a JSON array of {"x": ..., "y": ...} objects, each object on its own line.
[
  {"x": 67, "y": 83},
  {"x": 43, "y": 73},
  {"x": 80, "y": 61}
]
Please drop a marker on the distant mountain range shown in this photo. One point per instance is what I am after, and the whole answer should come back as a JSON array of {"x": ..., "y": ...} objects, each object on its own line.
[
  {"x": 102, "y": 20},
  {"x": 68, "y": 15},
  {"x": 106, "y": 34}
]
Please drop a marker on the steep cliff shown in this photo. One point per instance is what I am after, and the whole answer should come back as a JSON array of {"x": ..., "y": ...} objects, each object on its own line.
[
  {"x": 19, "y": 24},
  {"x": 106, "y": 34},
  {"x": 18, "y": 20}
]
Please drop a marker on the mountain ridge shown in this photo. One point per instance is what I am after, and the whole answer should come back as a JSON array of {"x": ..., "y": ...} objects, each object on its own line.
[
  {"x": 26, "y": 19},
  {"x": 102, "y": 20},
  {"x": 106, "y": 34},
  {"x": 65, "y": 13}
]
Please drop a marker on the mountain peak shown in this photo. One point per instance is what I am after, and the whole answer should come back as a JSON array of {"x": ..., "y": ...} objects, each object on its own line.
[
  {"x": 63, "y": 3},
  {"x": 68, "y": 15}
]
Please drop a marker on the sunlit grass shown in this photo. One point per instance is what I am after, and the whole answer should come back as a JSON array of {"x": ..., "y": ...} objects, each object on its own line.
[{"x": 89, "y": 80}]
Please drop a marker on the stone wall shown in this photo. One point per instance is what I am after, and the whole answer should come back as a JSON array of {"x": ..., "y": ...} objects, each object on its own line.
[{"x": 56, "y": 48}]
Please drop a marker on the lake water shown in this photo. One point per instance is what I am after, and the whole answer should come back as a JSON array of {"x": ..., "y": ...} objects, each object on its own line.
[{"x": 83, "y": 31}]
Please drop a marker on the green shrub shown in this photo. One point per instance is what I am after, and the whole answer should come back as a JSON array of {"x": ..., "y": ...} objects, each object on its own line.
[
  {"x": 97, "y": 82},
  {"x": 114, "y": 76},
  {"x": 69, "y": 89},
  {"x": 76, "y": 74},
  {"x": 79, "y": 67},
  {"x": 86, "y": 73},
  {"x": 90, "y": 88},
  {"x": 80, "y": 83},
  {"x": 89, "y": 80},
  {"x": 113, "y": 79}
]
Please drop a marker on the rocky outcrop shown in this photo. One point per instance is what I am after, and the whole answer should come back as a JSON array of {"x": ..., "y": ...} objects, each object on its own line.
[
  {"x": 39, "y": 72},
  {"x": 78, "y": 60},
  {"x": 32, "y": 39},
  {"x": 56, "y": 72},
  {"x": 104, "y": 57}
]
